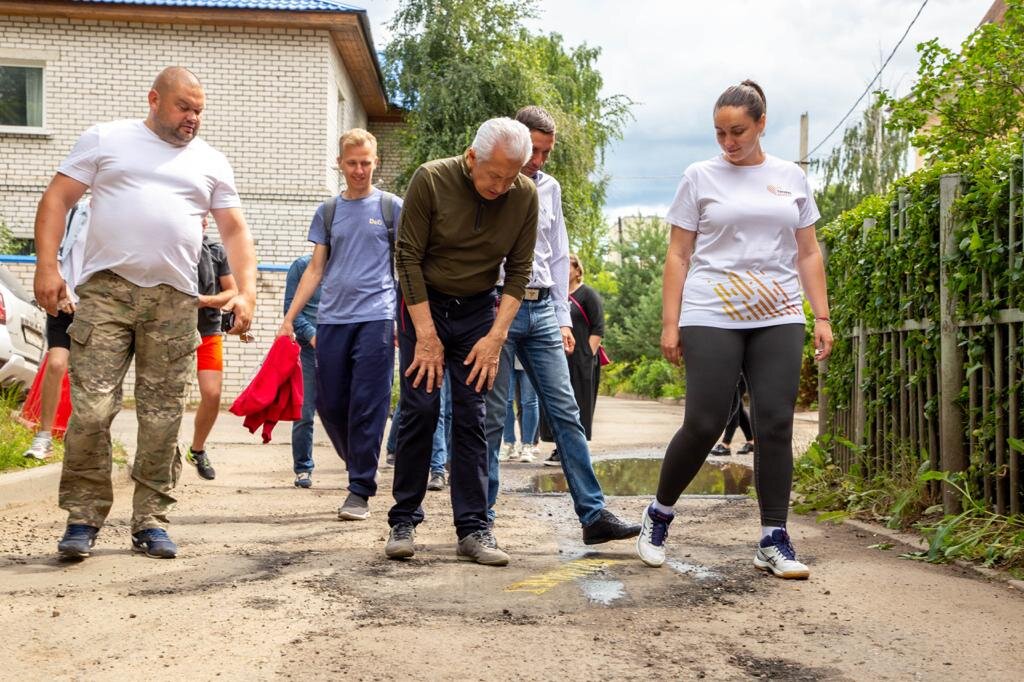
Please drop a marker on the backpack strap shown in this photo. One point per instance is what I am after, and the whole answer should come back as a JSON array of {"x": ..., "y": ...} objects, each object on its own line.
[
  {"x": 330, "y": 207},
  {"x": 387, "y": 211}
]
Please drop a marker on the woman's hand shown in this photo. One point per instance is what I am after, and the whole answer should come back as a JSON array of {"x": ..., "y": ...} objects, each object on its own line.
[
  {"x": 822, "y": 339},
  {"x": 672, "y": 344}
]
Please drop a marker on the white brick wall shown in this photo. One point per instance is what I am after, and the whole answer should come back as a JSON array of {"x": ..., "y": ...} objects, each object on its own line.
[{"x": 271, "y": 97}]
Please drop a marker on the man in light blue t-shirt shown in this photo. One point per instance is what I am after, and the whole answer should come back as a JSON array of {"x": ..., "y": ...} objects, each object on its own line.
[{"x": 355, "y": 355}]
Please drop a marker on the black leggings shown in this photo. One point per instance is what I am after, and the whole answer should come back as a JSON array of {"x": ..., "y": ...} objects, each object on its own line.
[
  {"x": 769, "y": 358},
  {"x": 738, "y": 416}
]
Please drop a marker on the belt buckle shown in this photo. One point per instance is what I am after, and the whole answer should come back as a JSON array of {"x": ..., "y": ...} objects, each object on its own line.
[{"x": 531, "y": 295}]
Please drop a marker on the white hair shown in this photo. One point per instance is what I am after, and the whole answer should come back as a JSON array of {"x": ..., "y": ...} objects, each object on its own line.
[{"x": 512, "y": 135}]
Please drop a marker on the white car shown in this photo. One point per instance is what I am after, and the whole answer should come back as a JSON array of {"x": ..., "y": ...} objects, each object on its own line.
[{"x": 22, "y": 333}]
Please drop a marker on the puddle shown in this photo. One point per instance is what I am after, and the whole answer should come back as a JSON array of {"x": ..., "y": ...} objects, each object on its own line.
[
  {"x": 698, "y": 572},
  {"x": 639, "y": 476},
  {"x": 602, "y": 592}
]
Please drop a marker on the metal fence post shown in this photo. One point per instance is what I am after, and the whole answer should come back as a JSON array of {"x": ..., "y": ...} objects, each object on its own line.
[
  {"x": 951, "y": 427},
  {"x": 823, "y": 425},
  {"x": 860, "y": 416}
]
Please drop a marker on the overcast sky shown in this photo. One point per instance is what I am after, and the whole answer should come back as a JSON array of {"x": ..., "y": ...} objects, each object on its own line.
[{"x": 673, "y": 58}]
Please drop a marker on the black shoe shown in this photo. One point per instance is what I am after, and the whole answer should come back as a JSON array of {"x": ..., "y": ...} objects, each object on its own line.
[
  {"x": 154, "y": 542},
  {"x": 555, "y": 460},
  {"x": 607, "y": 528},
  {"x": 746, "y": 449},
  {"x": 77, "y": 541},
  {"x": 721, "y": 450},
  {"x": 202, "y": 464}
]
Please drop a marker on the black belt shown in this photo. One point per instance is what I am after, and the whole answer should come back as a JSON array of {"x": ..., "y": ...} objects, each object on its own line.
[{"x": 533, "y": 293}]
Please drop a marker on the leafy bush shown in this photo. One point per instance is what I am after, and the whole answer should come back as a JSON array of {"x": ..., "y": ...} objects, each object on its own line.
[{"x": 650, "y": 378}]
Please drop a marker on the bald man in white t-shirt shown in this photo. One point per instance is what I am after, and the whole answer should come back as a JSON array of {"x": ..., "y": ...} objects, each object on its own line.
[{"x": 152, "y": 182}]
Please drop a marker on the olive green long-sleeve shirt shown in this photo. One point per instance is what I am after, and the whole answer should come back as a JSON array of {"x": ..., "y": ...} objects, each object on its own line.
[{"x": 453, "y": 240}]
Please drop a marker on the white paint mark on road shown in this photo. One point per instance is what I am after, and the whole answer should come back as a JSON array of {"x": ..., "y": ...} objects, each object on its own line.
[
  {"x": 602, "y": 592},
  {"x": 696, "y": 570}
]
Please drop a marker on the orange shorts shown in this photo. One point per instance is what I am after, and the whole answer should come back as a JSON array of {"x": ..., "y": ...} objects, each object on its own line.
[{"x": 211, "y": 353}]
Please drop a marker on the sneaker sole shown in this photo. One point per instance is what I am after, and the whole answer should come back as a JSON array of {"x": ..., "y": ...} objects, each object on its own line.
[
  {"x": 495, "y": 562},
  {"x": 145, "y": 552},
  {"x": 73, "y": 554},
  {"x": 352, "y": 516},
  {"x": 767, "y": 567},
  {"x": 435, "y": 487},
  {"x": 400, "y": 553},
  {"x": 548, "y": 463}
]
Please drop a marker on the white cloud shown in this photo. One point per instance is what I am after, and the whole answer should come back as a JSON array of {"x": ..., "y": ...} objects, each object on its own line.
[{"x": 674, "y": 58}]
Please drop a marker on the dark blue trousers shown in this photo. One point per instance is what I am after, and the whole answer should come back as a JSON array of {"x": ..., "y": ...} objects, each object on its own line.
[
  {"x": 460, "y": 323},
  {"x": 354, "y": 370}
]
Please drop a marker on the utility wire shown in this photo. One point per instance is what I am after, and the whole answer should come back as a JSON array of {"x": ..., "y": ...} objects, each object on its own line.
[{"x": 868, "y": 88}]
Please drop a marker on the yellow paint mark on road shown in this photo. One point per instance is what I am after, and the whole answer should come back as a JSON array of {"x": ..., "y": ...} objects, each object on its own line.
[{"x": 577, "y": 568}]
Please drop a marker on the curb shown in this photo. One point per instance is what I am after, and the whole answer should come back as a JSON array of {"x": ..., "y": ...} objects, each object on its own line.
[
  {"x": 920, "y": 543},
  {"x": 41, "y": 483}
]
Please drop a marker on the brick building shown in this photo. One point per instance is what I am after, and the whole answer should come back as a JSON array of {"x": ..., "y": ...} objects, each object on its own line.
[{"x": 283, "y": 79}]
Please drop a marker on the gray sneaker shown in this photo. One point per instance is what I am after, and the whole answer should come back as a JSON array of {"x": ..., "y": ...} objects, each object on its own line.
[
  {"x": 482, "y": 548},
  {"x": 436, "y": 481},
  {"x": 355, "y": 508},
  {"x": 401, "y": 542}
]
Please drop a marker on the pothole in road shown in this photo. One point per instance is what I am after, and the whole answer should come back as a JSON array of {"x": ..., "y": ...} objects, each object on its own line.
[{"x": 639, "y": 476}]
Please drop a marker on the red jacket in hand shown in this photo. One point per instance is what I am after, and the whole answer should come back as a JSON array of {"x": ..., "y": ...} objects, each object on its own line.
[{"x": 275, "y": 393}]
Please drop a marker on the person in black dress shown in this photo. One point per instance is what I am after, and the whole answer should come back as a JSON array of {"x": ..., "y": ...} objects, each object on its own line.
[{"x": 587, "y": 311}]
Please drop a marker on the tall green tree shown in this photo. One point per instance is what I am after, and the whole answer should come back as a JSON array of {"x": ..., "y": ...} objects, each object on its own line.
[
  {"x": 633, "y": 310},
  {"x": 870, "y": 157},
  {"x": 452, "y": 64},
  {"x": 962, "y": 99}
]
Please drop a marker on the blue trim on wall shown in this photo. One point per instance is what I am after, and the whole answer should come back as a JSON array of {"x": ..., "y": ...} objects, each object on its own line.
[{"x": 261, "y": 267}]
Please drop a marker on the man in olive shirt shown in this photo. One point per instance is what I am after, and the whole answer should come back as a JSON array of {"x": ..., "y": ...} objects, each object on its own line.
[{"x": 462, "y": 217}]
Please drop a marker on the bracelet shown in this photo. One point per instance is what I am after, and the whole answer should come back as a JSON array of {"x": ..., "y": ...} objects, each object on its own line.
[{"x": 823, "y": 319}]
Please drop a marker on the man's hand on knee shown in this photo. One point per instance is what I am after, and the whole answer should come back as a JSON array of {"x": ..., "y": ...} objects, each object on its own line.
[
  {"x": 427, "y": 363},
  {"x": 484, "y": 357}
]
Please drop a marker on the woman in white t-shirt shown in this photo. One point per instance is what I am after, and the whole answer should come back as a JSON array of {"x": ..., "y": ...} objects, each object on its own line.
[{"x": 742, "y": 248}]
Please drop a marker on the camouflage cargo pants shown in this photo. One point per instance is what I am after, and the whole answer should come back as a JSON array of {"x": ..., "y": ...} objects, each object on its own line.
[{"x": 115, "y": 321}]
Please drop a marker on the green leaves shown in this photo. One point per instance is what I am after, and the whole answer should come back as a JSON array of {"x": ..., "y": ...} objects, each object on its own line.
[
  {"x": 453, "y": 64},
  {"x": 962, "y": 99}
]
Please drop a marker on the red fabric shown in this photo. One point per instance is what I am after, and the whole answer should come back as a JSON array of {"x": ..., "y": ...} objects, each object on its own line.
[
  {"x": 30, "y": 410},
  {"x": 275, "y": 393}
]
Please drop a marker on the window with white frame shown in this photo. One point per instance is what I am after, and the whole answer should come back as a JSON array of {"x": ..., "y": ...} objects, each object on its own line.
[{"x": 21, "y": 96}]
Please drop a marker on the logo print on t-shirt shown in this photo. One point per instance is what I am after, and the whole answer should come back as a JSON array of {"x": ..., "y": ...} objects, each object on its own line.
[
  {"x": 748, "y": 299},
  {"x": 779, "y": 192},
  {"x": 376, "y": 221}
]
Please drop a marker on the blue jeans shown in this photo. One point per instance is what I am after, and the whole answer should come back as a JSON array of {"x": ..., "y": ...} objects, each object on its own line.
[
  {"x": 530, "y": 416},
  {"x": 536, "y": 340},
  {"x": 302, "y": 430},
  {"x": 442, "y": 434}
]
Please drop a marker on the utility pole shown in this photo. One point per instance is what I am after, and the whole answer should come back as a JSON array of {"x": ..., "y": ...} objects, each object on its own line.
[
  {"x": 823, "y": 426},
  {"x": 804, "y": 125}
]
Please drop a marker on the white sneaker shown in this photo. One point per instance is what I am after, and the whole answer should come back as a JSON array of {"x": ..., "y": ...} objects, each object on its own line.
[
  {"x": 41, "y": 448},
  {"x": 650, "y": 544},
  {"x": 527, "y": 453},
  {"x": 506, "y": 452},
  {"x": 776, "y": 554}
]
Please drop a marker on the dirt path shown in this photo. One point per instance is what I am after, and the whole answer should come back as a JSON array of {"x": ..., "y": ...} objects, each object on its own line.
[{"x": 270, "y": 585}]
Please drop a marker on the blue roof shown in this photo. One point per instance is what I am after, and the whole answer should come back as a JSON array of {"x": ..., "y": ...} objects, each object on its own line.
[{"x": 279, "y": 5}]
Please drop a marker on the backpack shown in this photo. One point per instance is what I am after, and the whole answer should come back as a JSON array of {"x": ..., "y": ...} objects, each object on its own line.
[{"x": 387, "y": 210}]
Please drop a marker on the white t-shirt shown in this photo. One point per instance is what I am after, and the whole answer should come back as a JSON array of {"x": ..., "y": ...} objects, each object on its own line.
[
  {"x": 148, "y": 202},
  {"x": 743, "y": 269},
  {"x": 71, "y": 253}
]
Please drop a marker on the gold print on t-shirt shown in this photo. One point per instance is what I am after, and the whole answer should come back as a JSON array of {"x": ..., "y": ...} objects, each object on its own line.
[{"x": 749, "y": 299}]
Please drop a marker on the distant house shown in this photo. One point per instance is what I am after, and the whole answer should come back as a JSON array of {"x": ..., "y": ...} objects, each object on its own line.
[{"x": 283, "y": 79}]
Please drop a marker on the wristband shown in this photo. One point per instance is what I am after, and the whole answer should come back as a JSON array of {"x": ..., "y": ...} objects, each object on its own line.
[{"x": 823, "y": 319}]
